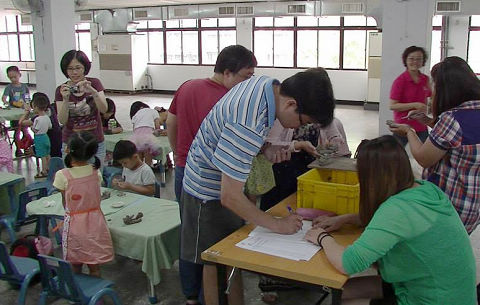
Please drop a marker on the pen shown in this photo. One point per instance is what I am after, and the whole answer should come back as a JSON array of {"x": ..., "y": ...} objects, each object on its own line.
[{"x": 290, "y": 210}]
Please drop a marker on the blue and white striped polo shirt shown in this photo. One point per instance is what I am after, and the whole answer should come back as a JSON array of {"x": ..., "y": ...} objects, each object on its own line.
[{"x": 230, "y": 137}]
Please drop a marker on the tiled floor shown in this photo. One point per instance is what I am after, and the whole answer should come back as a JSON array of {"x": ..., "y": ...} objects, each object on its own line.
[{"x": 130, "y": 281}]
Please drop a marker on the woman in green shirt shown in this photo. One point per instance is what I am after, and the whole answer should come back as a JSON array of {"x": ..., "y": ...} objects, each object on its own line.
[{"x": 412, "y": 232}]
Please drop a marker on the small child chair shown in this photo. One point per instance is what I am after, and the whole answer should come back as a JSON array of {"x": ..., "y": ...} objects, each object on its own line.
[
  {"x": 17, "y": 271},
  {"x": 59, "y": 280}
]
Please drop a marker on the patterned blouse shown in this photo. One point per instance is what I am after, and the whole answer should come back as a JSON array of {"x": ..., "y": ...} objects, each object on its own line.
[{"x": 458, "y": 173}]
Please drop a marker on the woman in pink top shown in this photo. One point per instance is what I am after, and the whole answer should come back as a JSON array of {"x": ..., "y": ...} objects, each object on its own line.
[
  {"x": 410, "y": 91},
  {"x": 86, "y": 238}
]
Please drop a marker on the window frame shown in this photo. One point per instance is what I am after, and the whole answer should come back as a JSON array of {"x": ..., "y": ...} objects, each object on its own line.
[
  {"x": 295, "y": 28},
  {"x": 471, "y": 29},
  {"x": 17, "y": 33}
]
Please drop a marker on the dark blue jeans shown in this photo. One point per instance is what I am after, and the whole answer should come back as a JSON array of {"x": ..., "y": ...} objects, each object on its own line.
[{"x": 190, "y": 273}]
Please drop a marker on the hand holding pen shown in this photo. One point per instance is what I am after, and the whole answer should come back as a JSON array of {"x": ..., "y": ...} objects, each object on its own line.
[{"x": 290, "y": 224}]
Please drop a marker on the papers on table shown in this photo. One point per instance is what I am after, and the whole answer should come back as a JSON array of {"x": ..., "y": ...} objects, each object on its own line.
[{"x": 287, "y": 246}]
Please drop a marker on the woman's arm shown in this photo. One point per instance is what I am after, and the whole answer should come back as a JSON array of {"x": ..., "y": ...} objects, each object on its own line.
[
  {"x": 333, "y": 250},
  {"x": 62, "y": 105}
]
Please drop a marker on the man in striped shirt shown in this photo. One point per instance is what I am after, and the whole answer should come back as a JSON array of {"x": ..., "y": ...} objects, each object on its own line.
[{"x": 220, "y": 157}]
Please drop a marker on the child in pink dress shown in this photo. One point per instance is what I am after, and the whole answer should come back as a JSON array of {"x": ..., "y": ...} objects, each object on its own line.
[
  {"x": 145, "y": 120},
  {"x": 86, "y": 238}
]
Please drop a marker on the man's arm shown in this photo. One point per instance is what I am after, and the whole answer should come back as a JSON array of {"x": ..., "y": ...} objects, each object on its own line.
[
  {"x": 172, "y": 130},
  {"x": 233, "y": 198}
]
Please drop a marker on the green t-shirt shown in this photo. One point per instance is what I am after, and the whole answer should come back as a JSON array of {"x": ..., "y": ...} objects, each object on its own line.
[{"x": 421, "y": 247}]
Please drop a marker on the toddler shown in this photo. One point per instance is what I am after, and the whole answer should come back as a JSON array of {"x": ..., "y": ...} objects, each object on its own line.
[
  {"x": 138, "y": 176},
  {"x": 40, "y": 126},
  {"x": 86, "y": 238}
]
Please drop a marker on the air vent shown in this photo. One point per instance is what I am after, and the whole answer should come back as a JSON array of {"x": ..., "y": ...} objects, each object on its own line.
[
  {"x": 296, "y": 9},
  {"x": 26, "y": 19},
  {"x": 140, "y": 14},
  {"x": 180, "y": 12},
  {"x": 244, "y": 10},
  {"x": 352, "y": 8},
  {"x": 226, "y": 10},
  {"x": 447, "y": 6},
  {"x": 86, "y": 17}
]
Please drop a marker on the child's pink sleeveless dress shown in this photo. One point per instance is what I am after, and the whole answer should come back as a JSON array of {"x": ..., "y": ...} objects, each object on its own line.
[{"x": 86, "y": 238}]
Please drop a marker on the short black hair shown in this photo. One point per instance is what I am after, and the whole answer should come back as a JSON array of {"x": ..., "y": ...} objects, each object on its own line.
[
  {"x": 78, "y": 55},
  {"x": 234, "y": 58},
  {"x": 313, "y": 92},
  {"x": 124, "y": 149},
  {"x": 13, "y": 69},
  {"x": 110, "y": 105},
  {"x": 40, "y": 100},
  {"x": 412, "y": 49},
  {"x": 136, "y": 106}
]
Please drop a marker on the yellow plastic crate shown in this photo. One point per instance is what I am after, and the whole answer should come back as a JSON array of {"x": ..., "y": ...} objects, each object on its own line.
[{"x": 327, "y": 189}]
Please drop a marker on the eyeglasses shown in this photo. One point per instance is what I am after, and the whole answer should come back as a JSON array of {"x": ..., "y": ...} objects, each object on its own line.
[
  {"x": 415, "y": 58},
  {"x": 77, "y": 68}
]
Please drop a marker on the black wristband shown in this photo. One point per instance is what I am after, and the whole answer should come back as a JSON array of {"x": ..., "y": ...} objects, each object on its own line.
[{"x": 321, "y": 236}]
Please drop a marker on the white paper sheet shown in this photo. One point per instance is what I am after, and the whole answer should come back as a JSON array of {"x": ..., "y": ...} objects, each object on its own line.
[{"x": 292, "y": 246}]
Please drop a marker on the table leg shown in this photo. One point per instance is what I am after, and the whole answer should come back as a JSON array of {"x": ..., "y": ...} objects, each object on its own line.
[
  {"x": 162, "y": 174},
  {"x": 336, "y": 296},
  {"x": 152, "y": 297}
]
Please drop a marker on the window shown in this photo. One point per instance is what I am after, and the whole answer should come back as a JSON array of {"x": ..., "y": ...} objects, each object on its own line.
[
  {"x": 188, "y": 41},
  {"x": 83, "y": 38},
  {"x": 301, "y": 42},
  {"x": 435, "y": 49},
  {"x": 474, "y": 43},
  {"x": 16, "y": 39}
]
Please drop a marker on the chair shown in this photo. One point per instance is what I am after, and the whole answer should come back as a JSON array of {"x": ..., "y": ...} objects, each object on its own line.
[
  {"x": 55, "y": 164},
  {"x": 18, "y": 271},
  {"x": 8, "y": 220},
  {"x": 58, "y": 280}
]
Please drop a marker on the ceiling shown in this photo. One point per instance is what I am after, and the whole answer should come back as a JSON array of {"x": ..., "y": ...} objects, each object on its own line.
[{"x": 6, "y": 5}]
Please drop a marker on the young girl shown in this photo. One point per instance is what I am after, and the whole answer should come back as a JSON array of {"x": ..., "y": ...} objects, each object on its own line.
[
  {"x": 86, "y": 238},
  {"x": 110, "y": 115},
  {"x": 412, "y": 231},
  {"x": 145, "y": 120}
]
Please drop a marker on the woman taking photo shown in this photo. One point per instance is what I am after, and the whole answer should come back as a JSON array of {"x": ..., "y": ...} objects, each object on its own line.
[
  {"x": 411, "y": 231},
  {"x": 451, "y": 154},
  {"x": 80, "y": 100}
]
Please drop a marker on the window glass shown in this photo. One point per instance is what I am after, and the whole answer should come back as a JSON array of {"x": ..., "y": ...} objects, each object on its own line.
[
  {"x": 24, "y": 28},
  {"x": 83, "y": 26},
  {"x": 188, "y": 23},
  {"x": 329, "y": 21},
  {"x": 84, "y": 40},
  {"x": 174, "y": 47},
  {"x": 13, "y": 47},
  {"x": 283, "y": 46},
  {"x": 209, "y": 47},
  {"x": 437, "y": 20},
  {"x": 371, "y": 21},
  {"x": 190, "y": 47},
  {"x": 172, "y": 24},
  {"x": 474, "y": 50},
  {"x": 329, "y": 49},
  {"x": 26, "y": 47},
  {"x": 209, "y": 23},
  {"x": 11, "y": 23},
  {"x": 263, "y": 21},
  {"x": 142, "y": 24},
  {"x": 354, "y": 50},
  {"x": 354, "y": 21},
  {"x": 284, "y": 21},
  {"x": 263, "y": 47},
  {"x": 307, "y": 49},
  {"x": 475, "y": 20},
  {"x": 224, "y": 22},
  {"x": 307, "y": 21},
  {"x": 4, "y": 51},
  {"x": 155, "y": 43},
  {"x": 227, "y": 38},
  {"x": 3, "y": 24},
  {"x": 435, "y": 52},
  {"x": 156, "y": 24}
]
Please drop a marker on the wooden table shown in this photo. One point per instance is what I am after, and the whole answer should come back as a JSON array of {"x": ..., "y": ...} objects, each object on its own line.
[{"x": 316, "y": 271}]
